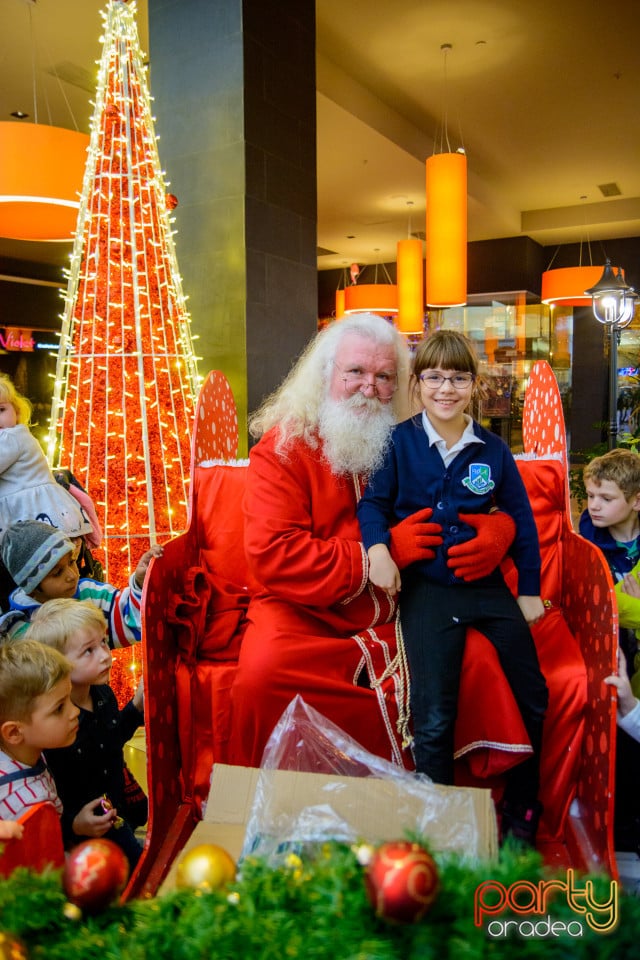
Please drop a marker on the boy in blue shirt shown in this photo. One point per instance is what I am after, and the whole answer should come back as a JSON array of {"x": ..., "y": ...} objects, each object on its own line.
[{"x": 611, "y": 521}]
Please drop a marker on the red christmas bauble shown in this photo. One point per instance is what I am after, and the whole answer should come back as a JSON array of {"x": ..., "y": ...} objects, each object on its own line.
[
  {"x": 402, "y": 881},
  {"x": 171, "y": 201},
  {"x": 95, "y": 872}
]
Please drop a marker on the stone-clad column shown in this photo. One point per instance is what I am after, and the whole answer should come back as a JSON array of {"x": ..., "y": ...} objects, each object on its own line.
[{"x": 233, "y": 83}]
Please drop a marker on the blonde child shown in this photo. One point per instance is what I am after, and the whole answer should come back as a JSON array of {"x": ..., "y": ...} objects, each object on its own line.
[
  {"x": 28, "y": 489},
  {"x": 93, "y": 766},
  {"x": 36, "y": 713},
  {"x": 41, "y": 560},
  {"x": 611, "y": 520}
]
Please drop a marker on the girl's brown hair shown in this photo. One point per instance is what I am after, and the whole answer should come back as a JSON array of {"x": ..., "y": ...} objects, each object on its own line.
[
  {"x": 446, "y": 350},
  {"x": 443, "y": 350}
]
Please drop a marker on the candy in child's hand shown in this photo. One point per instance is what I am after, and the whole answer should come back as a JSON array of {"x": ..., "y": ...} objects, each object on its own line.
[{"x": 107, "y": 806}]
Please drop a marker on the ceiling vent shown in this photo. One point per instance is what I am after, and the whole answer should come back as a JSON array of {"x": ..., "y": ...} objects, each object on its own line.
[
  {"x": 609, "y": 189},
  {"x": 323, "y": 252}
]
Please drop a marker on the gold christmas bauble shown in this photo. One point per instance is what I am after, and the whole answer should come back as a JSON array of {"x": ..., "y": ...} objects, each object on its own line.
[
  {"x": 205, "y": 867},
  {"x": 10, "y": 948}
]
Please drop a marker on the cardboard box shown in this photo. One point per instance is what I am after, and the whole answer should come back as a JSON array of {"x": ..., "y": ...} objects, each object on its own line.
[{"x": 460, "y": 819}]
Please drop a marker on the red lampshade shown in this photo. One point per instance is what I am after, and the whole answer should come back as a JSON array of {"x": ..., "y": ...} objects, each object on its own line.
[
  {"x": 566, "y": 286},
  {"x": 379, "y": 298},
  {"x": 41, "y": 173},
  {"x": 446, "y": 230},
  {"x": 340, "y": 304},
  {"x": 410, "y": 287}
]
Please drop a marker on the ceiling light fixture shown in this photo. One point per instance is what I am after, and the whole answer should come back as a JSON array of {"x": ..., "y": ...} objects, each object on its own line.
[
  {"x": 41, "y": 173},
  {"x": 381, "y": 298},
  {"x": 566, "y": 286},
  {"x": 446, "y": 223},
  {"x": 410, "y": 279},
  {"x": 342, "y": 283}
]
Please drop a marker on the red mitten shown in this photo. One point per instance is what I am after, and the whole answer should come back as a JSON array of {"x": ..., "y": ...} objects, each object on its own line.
[
  {"x": 480, "y": 556},
  {"x": 414, "y": 538}
]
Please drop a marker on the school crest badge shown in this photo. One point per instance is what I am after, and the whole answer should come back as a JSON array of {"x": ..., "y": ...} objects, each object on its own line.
[{"x": 479, "y": 480}]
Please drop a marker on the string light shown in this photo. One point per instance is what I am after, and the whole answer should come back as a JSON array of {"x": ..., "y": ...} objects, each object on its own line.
[{"x": 122, "y": 412}]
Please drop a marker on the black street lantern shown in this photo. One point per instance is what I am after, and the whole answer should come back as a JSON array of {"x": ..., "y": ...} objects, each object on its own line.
[{"x": 613, "y": 303}]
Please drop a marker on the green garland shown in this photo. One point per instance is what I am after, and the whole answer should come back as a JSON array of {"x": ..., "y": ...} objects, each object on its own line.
[{"x": 316, "y": 909}]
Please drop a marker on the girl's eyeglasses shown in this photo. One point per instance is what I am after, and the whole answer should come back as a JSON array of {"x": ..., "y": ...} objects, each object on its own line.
[{"x": 459, "y": 381}]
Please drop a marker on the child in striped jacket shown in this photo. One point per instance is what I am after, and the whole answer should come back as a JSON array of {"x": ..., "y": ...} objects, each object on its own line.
[{"x": 41, "y": 560}]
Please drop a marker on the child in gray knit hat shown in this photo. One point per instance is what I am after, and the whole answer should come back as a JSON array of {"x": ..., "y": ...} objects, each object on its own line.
[
  {"x": 42, "y": 561},
  {"x": 30, "y": 551}
]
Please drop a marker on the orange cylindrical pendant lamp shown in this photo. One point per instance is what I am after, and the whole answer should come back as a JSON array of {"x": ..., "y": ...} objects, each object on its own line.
[
  {"x": 41, "y": 174},
  {"x": 339, "y": 304},
  {"x": 379, "y": 298},
  {"x": 446, "y": 258},
  {"x": 565, "y": 287},
  {"x": 410, "y": 274}
]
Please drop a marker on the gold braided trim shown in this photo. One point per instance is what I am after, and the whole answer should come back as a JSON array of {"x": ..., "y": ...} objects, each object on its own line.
[
  {"x": 404, "y": 714},
  {"x": 493, "y": 745},
  {"x": 393, "y": 670},
  {"x": 364, "y": 579}
]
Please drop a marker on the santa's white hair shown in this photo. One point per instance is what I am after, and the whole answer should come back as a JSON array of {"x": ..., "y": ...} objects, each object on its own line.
[{"x": 296, "y": 406}]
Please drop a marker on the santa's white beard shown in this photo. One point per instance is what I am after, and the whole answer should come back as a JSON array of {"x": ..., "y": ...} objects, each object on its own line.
[{"x": 355, "y": 432}]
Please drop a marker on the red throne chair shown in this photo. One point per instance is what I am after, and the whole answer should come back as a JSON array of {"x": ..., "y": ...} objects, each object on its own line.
[
  {"x": 193, "y": 610},
  {"x": 40, "y": 845}
]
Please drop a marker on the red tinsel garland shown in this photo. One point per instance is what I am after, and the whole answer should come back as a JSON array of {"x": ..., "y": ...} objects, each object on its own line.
[{"x": 126, "y": 672}]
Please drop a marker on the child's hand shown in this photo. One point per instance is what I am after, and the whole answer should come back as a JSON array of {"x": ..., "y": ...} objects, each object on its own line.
[
  {"x": 383, "y": 572},
  {"x": 630, "y": 585},
  {"x": 532, "y": 608},
  {"x": 626, "y": 697},
  {"x": 415, "y": 538},
  {"x": 143, "y": 563},
  {"x": 90, "y": 821},
  {"x": 481, "y": 555},
  {"x": 138, "y": 697},
  {"x": 11, "y": 830}
]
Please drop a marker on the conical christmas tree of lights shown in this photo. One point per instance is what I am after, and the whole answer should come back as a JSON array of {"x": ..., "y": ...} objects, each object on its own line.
[{"x": 126, "y": 376}]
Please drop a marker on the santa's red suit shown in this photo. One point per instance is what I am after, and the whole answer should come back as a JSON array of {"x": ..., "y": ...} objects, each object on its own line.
[{"x": 319, "y": 628}]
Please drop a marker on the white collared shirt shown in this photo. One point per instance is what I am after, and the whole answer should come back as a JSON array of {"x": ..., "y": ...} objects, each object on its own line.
[{"x": 468, "y": 437}]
